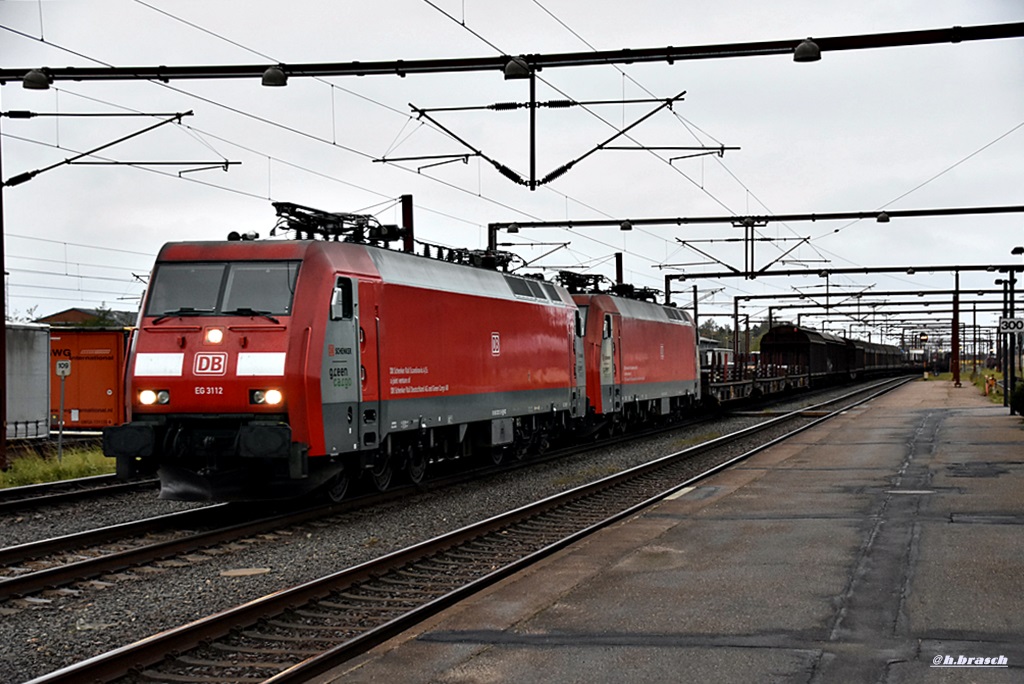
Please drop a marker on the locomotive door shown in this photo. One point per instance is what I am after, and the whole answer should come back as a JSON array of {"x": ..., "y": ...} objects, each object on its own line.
[
  {"x": 611, "y": 364},
  {"x": 580, "y": 369},
  {"x": 340, "y": 378}
]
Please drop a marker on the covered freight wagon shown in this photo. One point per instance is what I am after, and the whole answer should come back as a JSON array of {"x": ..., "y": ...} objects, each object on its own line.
[
  {"x": 28, "y": 380},
  {"x": 94, "y": 391},
  {"x": 823, "y": 357}
]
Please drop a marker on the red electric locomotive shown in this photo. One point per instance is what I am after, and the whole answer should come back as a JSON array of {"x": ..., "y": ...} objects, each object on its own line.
[
  {"x": 269, "y": 369},
  {"x": 641, "y": 357}
]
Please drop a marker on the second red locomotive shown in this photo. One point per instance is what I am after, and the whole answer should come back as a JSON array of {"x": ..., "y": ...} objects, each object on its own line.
[{"x": 641, "y": 359}]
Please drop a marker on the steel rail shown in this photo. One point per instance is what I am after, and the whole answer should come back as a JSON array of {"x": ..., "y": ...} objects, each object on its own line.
[{"x": 66, "y": 491}]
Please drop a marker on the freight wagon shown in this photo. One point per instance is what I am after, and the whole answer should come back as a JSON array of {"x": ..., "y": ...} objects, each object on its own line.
[{"x": 94, "y": 391}]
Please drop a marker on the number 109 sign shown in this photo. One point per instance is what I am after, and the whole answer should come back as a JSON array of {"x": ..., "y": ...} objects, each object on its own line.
[{"x": 1011, "y": 325}]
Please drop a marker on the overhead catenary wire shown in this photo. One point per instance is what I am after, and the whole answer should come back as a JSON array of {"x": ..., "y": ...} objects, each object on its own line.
[
  {"x": 315, "y": 138},
  {"x": 298, "y": 132},
  {"x": 291, "y": 129},
  {"x": 605, "y": 121}
]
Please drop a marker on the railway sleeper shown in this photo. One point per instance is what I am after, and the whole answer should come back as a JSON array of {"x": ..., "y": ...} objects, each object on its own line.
[
  {"x": 374, "y": 599},
  {"x": 423, "y": 577},
  {"x": 335, "y": 605},
  {"x": 283, "y": 624},
  {"x": 287, "y": 638},
  {"x": 261, "y": 651},
  {"x": 408, "y": 586},
  {"x": 199, "y": 662}
]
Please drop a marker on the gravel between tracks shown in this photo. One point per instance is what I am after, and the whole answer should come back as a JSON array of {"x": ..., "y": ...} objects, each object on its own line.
[{"x": 63, "y": 627}]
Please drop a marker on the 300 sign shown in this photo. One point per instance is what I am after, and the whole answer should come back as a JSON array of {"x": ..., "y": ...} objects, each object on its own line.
[{"x": 1011, "y": 325}]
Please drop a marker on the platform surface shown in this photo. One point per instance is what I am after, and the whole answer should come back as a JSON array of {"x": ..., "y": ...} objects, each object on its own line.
[{"x": 868, "y": 549}]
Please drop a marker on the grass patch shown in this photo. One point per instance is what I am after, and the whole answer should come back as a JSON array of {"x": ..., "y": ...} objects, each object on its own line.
[
  {"x": 32, "y": 468},
  {"x": 979, "y": 379},
  {"x": 948, "y": 377},
  {"x": 995, "y": 393}
]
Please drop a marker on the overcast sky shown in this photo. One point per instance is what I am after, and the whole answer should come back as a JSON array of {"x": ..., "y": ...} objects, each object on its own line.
[{"x": 899, "y": 128}]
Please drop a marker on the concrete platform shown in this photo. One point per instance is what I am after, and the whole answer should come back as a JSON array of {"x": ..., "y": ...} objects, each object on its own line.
[{"x": 865, "y": 550}]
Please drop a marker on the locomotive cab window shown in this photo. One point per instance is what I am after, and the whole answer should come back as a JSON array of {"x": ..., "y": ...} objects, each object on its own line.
[
  {"x": 263, "y": 287},
  {"x": 342, "y": 304},
  {"x": 223, "y": 288},
  {"x": 184, "y": 287}
]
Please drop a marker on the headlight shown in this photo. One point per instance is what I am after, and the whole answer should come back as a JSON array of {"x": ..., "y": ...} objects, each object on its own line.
[
  {"x": 150, "y": 397},
  {"x": 214, "y": 335},
  {"x": 271, "y": 397}
]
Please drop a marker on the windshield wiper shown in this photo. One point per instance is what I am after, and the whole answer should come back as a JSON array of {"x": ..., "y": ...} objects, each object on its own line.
[
  {"x": 183, "y": 311},
  {"x": 246, "y": 311}
]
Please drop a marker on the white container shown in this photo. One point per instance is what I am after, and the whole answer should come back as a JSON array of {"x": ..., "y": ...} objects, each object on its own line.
[{"x": 28, "y": 381}]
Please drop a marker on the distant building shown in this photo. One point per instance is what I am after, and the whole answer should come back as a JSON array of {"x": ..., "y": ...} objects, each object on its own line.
[{"x": 90, "y": 317}]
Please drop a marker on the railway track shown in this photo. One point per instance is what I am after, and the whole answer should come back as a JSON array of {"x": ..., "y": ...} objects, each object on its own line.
[
  {"x": 48, "y": 564},
  {"x": 68, "y": 491},
  {"x": 295, "y": 634}
]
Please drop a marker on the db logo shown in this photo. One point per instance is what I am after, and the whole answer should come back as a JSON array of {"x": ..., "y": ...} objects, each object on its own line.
[{"x": 211, "y": 363}]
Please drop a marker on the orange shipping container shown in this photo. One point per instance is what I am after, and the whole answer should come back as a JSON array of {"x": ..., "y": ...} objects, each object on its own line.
[{"x": 94, "y": 391}]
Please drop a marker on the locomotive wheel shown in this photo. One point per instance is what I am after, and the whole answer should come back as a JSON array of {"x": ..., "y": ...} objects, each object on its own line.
[
  {"x": 416, "y": 466},
  {"x": 178, "y": 443},
  {"x": 337, "y": 487},
  {"x": 381, "y": 473}
]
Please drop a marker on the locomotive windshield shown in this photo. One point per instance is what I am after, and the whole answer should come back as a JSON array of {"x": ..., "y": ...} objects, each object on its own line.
[{"x": 223, "y": 288}]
